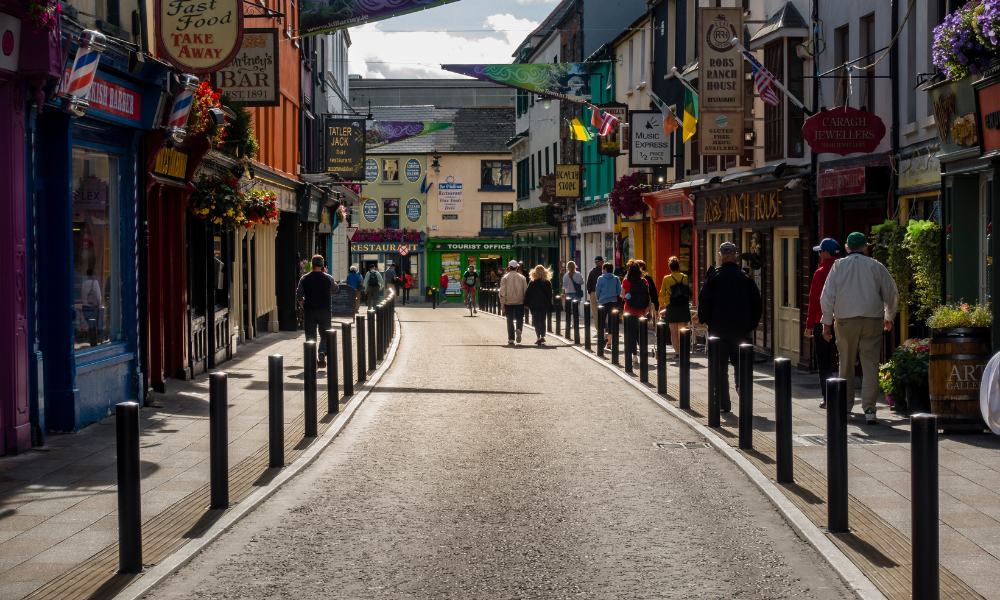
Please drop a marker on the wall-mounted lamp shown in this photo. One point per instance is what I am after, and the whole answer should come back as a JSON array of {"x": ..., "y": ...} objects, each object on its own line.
[
  {"x": 81, "y": 78},
  {"x": 546, "y": 103},
  {"x": 436, "y": 164}
]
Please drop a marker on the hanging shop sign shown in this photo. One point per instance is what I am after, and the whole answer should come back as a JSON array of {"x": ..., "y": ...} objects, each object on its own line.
[
  {"x": 650, "y": 146},
  {"x": 345, "y": 148},
  {"x": 10, "y": 30},
  {"x": 721, "y": 133},
  {"x": 988, "y": 109},
  {"x": 568, "y": 181},
  {"x": 199, "y": 37},
  {"x": 611, "y": 144},
  {"x": 252, "y": 77},
  {"x": 843, "y": 130},
  {"x": 370, "y": 210},
  {"x": 720, "y": 69},
  {"x": 548, "y": 185},
  {"x": 412, "y": 170},
  {"x": 744, "y": 207},
  {"x": 371, "y": 170},
  {"x": 450, "y": 195},
  {"x": 171, "y": 164},
  {"x": 413, "y": 210}
]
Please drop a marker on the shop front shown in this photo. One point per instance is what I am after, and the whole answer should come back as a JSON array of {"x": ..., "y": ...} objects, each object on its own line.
[
  {"x": 672, "y": 214},
  {"x": 769, "y": 223},
  {"x": 852, "y": 197},
  {"x": 596, "y": 227},
  {"x": 404, "y": 256},
  {"x": 635, "y": 240},
  {"x": 261, "y": 269},
  {"x": 453, "y": 257}
]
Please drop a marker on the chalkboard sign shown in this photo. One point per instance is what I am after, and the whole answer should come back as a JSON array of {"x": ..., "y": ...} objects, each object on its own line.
[{"x": 343, "y": 301}]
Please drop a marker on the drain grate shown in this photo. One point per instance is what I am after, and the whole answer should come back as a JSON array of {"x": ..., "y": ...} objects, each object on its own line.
[
  {"x": 681, "y": 445},
  {"x": 852, "y": 438}
]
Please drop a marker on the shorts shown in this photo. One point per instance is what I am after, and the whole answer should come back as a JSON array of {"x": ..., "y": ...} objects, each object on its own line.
[{"x": 466, "y": 288}]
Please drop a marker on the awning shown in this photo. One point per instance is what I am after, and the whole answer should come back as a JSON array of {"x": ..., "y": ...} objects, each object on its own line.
[
  {"x": 775, "y": 171},
  {"x": 695, "y": 183}
]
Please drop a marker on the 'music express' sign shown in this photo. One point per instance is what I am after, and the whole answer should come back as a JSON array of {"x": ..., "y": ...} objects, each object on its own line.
[{"x": 199, "y": 36}]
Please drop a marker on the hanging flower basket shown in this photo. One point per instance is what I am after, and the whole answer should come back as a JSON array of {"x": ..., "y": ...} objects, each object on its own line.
[
  {"x": 200, "y": 121},
  {"x": 41, "y": 16},
  {"x": 965, "y": 39},
  {"x": 261, "y": 207},
  {"x": 219, "y": 200},
  {"x": 626, "y": 195}
]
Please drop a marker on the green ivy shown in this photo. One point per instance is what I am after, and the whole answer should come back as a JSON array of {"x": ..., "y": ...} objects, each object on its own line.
[
  {"x": 888, "y": 241},
  {"x": 240, "y": 129},
  {"x": 540, "y": 215},
  {"x": 923, "y": 244}
]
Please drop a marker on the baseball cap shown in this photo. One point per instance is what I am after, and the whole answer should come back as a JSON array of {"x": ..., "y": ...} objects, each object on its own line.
[
  {"x": 828, "y": 244},
  {"x": 512, "y": 264},
  {"x": 727, "y": 248},
  {"x": 856, "y": 240},
  {"x": 598, "y": 258}
]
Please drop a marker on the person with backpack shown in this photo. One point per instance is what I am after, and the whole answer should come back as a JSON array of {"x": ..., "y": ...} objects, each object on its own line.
[
  {"x": 470, "y": 279},
  {"x": 390, "y": 280},
  {"x": 654, "y": 295},
  {"x": 373, "y": 284},
  {"x": 608, "y": 290},
  {"x": 407, "y": 285},
  {"x": 675, "y": 296},
  {"x": 636, "y": 304}
]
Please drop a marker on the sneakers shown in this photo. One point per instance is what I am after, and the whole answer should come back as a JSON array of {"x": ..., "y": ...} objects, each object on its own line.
[
  {"x": 474, "y": 311},
  {"x": 321, "y": 363},
  {"x": 541, "y": 342},
  {"x": 518, "y": 336},
  {"x": 538, "y": 342},
  {"x": 870, "y": 416},
  {"x": 823, "y": 404},
  {"x": 510, "y": 342}
]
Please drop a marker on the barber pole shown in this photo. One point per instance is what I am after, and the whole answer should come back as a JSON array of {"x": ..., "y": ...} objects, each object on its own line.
[
  {"x": 182, "y": 107},
  {"x": 88, "y": 57}
]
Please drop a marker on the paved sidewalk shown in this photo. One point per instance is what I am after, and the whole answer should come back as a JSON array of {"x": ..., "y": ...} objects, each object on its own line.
[{"x": 58, "y": 503}]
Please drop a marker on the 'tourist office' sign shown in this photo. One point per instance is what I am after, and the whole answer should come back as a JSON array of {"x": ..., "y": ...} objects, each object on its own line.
[
  {"x": 199, "y": 36},
  {"x": 345, "y": 148},
  {"x": 474, "y": 246}
]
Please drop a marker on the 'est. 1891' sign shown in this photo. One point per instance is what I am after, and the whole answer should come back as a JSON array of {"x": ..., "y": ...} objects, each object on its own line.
[
  {"x": 252, "y": 77},
  {"x": 199, "y": 36}
]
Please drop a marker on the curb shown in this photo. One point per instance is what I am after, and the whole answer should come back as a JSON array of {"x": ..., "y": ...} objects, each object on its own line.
[
  {"x": 852, "y": 576},
  {"x": 155, "y": 575}
]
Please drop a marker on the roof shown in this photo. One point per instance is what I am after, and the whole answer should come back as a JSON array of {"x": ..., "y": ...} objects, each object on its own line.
[
  {"x": 546, "y": 26},
  {"x": 475, "y": 130},
  {"x": 787, "y": 16}
]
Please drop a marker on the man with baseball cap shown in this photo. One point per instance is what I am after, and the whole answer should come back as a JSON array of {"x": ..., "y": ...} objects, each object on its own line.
[
  {"x": 861, "y": 295},
  {"x": 730, "y": 304},
  {"x": 814, "y": 329},
  {"x": 512, "y": 288}
]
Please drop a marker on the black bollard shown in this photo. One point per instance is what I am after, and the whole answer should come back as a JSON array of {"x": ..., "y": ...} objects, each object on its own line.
[
  {"x": 129, "y": 492},
  {"x": 627, "y": 321},
  {"x": 362, "y": 369},
  {"x": 662, "y": 331},
  {"x": 836, "y": 454},
  {"x": 332, "y": 383},
  {"x": 586, "y": 326},
  {"x": 372, "y": 357},
  {"x": 746, "y": 397},
  {"x": 310, "y": 388},
  {"x": 558, "y": 329},
  {"x": 568, "y": 306},
  {"x": 714, "y": 391},
  {"x": 783, "y": 418},
  {"x": 576, "y": 322},
  {"x": 615, "y": 329},
  {"x": 924, "y": 506},
  {"x": 218, "y": 438},
  {"x": 434, "y": 298},
  {"x": 643, "y": 350},
  {"x": 276, "y": 410},
  {"x": 684, "y": 380},
  {"x": 380, "y": 332},
  {"x": 345, "y": 334},
  {"x": 601, "y": 320}
]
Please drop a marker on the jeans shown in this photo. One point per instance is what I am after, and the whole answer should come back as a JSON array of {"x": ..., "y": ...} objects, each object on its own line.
[
  {"x": 406, "y": 295},
  {"x": 860, "y": 336},
  {"x": 730, "y": 353},
  {"x": 515, "y": 312},
  {"x": 609, "y": 318},
  {"x": 632, "y": 330},
  {"x": 442, "y": 294},
  {"x": 824, "y": 356},
  {"x": 318, "y": 318},
  {"x": 538, "y": 318},
  {"x": 373, "y": 294}
]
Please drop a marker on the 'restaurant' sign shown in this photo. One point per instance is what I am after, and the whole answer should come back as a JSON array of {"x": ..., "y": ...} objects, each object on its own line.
[
  {"x": 199, "y": 36},
  {"x": 252, "y": 77},
  {"x": 843, "y": 130},
  {"x": 345, "y": 148},
  {"x": 721, "y": 133},
  {"x": 720, "y": 67}
]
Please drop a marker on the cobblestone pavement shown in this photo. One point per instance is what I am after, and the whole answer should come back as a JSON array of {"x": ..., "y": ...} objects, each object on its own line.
[{"x": 479, "y": 470}]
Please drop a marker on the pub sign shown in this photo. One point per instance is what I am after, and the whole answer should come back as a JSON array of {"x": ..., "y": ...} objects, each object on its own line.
[{"x": 345, "y": 148}]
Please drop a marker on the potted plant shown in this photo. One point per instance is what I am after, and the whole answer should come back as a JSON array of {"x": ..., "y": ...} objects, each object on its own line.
[
  {"x": 959, "y": 350},
  {"x": 910, "y": 365}
]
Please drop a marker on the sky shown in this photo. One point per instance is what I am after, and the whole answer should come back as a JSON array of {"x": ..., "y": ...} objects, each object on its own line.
[{"x": 467, "y": 31}]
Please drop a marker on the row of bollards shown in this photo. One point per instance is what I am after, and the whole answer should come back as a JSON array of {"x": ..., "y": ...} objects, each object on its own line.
[{"x": 380, "y": 320}]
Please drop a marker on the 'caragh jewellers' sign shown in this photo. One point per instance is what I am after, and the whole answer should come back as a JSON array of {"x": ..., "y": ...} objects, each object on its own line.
[
  {"x": 252, "y": 77},
  {"x": 843, "y": 130},
  {"x": 199, "y": 36},
  {"x": 749, "y": 206}
]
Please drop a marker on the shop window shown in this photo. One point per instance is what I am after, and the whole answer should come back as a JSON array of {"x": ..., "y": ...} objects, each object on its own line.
[
  {"x": 714, "y": 240},
  {"x": 523, "y": 180},
  {"x": 868, "y": 49},
  {"x": 695, "y": 155},
  {"x": 390, "y": 208},
  {"x": 96, "y": 271},
  {"x": 493, "y": 214},
  {"x": 711, "y": 164},
  {"x": 773, "y": 121},
  {"x": 796, "y": 85},
  {"x": 497, "y": 175},
  {"x": 390, "y": 170}
]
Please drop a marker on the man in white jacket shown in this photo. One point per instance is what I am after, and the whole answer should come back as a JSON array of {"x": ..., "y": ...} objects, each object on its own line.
[
  {"x": 861, "y": 295},
  {"x": 512, "y": 288}
]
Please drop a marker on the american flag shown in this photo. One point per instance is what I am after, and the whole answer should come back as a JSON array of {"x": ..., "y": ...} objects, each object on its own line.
[{"x": 763, "y": 78}]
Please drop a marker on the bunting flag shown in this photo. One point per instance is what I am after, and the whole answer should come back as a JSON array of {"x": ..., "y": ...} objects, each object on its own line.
[
  {"x": 322, "y": 16},
  {"x": 670, "y": 122},
  {"x": 690, "y": 114},
  {"x": 380, "y": 133},
  {"x": 602, "y": 121},
  {"x": 763, "y": 78},
  {"x": 578, "y": 131},
  {"x": 560, "y": 81}
]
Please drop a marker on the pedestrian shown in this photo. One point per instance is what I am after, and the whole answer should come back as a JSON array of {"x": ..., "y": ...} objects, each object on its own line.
[
  {"x": 523, "y": 271},
  {"x": 390, "y": 281},
  {"x": 675, "y": 296},
  {"x": 654, "y": 295},
  {"x": 354, "y": 281},
  {"x": 407, "y": 285},
  {"x": 609, "y": 291},
  {"x": 814, "y": 327},
  {"x": 445, "y": 280},
  {"x": 730, "y": 304},
  {"x": 862, "y": 297},
  {"x": 592, "y": 284},
  {"x": 512, "y": 288},
  {"x": 314, "y": 294},
  {"x": 373, "y": 284},
  {"x": 538, "y": 299},
  {"x": 470, "y": 279},
  {"x": 572, "y": 282},
  {"x": 636, "y": 294}
]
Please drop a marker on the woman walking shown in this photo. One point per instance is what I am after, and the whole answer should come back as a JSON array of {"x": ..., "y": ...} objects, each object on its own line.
[
  {"x": 538, "y": 299},
  {"x": 637, "y": 303},
  {"x": 675, "y": 295},
  {"x": 653, "y": 294}
]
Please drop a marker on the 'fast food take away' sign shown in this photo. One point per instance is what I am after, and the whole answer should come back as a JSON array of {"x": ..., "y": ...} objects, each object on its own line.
[{"x": 199, "y": 36}]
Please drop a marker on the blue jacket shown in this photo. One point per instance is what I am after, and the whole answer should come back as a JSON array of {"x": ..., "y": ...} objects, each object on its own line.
[
  {"x": 354, "y": 280},
  {"x": 608, "y": 288}
]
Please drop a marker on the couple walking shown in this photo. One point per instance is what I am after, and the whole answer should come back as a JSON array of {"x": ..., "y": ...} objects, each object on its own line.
[
  {"x": 516, "y": 293},
  {"x": 635, "y": 295}
]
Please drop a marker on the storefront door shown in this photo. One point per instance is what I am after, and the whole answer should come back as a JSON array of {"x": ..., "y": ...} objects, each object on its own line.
[{"x": 786, "y": 305}]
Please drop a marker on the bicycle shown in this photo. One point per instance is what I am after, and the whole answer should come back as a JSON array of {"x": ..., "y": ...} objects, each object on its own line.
[{"x": 470, "y": 301}]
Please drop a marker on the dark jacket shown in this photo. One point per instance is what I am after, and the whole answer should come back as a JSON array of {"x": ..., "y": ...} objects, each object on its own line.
[
  {"x": 592, "y": 279},
  {"x": 538, "y": 295},
  {"x": 654, "y": 294},
  {"x": 729, "y": 302}
]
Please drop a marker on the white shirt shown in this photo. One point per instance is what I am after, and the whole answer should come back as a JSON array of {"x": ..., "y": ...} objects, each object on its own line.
[{"x": 859, "y": 286}]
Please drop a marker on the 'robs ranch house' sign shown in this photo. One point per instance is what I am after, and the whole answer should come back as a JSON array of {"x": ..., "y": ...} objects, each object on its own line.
[
  {"x": 199, "y": 36},
  {"x": 843, "y": 130},
  {"x": 748, "y": 206}
]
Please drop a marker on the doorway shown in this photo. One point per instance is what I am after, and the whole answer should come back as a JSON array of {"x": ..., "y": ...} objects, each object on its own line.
[{"x": 786, "y": 300}]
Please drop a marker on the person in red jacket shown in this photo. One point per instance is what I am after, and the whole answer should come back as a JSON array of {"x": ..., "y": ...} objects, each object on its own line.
[
  {"x": 814, "y": 327},
  {"x": 444, "y": 285}
]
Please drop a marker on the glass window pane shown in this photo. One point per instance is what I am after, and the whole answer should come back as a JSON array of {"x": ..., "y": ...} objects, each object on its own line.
[
  {"x": 390, "y": 169},
  {"x": 97, "y": 276}
]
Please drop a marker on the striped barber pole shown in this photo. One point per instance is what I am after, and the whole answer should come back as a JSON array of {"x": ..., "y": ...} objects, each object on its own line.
[
  {"x": 138, "y": 331},
  {"x": 182, "y": 106},
  {"x": 88, "y": 57}
]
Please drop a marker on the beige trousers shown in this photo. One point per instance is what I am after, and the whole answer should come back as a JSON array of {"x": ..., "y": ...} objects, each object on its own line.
[
  {"x": 860, "y": 336},
  {"x": 593, "y": 306}
]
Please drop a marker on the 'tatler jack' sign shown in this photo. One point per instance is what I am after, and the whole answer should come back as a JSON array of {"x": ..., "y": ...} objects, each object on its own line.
[
  {"x": 199, "y": 36},
  {"x": 843, "y": 130}
]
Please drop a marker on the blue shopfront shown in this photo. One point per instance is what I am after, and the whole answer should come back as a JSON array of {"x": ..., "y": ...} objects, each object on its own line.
[{"x": 87, "y": 174}]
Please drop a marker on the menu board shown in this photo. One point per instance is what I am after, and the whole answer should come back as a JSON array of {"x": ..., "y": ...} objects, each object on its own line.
[{"x": 342, "y": 303}]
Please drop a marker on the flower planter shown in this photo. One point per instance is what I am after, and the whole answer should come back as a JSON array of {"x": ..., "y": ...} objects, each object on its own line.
[{"x": 958, "y": 357}]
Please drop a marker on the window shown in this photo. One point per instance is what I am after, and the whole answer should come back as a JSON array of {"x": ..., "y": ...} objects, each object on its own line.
[
  {"x": 540, "y": 168},
  {"x": 493, "y": 216},
  {"x": 547, "y": 171},
  {"x": 911, "y": 69},
  {"x": 841, "y": 51},
  {"x": 631, "y": 52},
  {"x": 868, "y": 33},
  {"x": 390, "y": 209},
  {"x": 695, "y": 155},
  {"x": 497, "y": 175},
  {"x": 522, "y": 102},
  {"x": 96, "y": 272},
  {"x": 523, "y": 180},
  {"x": 796, "y": 86},
  {"x": 714, "y": 240},
  {"x": 711, "y": 164},
  {"x": 555, "y": 153},
  {"x": 642, "y": 57},
  {"x": 774, "y": 146},
  {"x": 390, "y": 169},
  {"x": 531, "y": 159}
]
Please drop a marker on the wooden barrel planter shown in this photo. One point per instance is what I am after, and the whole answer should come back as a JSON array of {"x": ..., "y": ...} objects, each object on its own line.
[{"x": 958, "y": 358}]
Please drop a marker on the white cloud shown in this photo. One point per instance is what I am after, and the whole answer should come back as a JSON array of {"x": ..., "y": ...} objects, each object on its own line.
[{"x": 378, "y": 54}]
